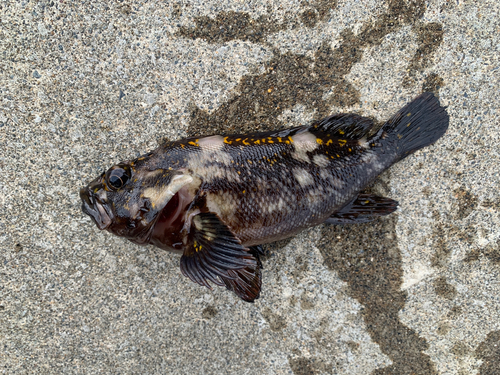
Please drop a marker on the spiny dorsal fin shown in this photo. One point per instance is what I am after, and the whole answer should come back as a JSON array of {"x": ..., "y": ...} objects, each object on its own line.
[{"x": 345, "y": 126}]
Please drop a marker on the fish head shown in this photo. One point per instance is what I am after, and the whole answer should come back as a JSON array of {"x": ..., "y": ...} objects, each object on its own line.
[{"x": 128, "y": 201}]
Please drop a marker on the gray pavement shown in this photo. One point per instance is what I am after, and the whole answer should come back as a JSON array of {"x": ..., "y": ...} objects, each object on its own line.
[{"x": 86, "y": 84}]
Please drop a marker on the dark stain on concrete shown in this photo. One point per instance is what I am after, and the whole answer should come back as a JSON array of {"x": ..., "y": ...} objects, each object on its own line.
[
  {"x": 444, "y": 328},
  {"x": 302, "y": 366},
  {"x": 466, "y": 202},
  {"x": 232, "y": 25},
  {"x": 306, "y": 302},
  {"x": 353, "y": 346},
  {"x": 209, "y": 312},
  {"x": 490, "y": 251},
  {"x": 309, "y": 366},
  {"x": 227, "y": 26},
  {"x": 366, "y": 257},
  {"x": 493, "y": 204},
  {"x": 432, "y": 83},
  {"x": 444, "y": 289},
  {"x": 292, "y": 79},
  {"x": 489, "y": 352},
  {"x": 441, "y": 250},
  {"x": 299, "y": 270},
  {"x": 455, "y": 312},
  {"x": 276, "y": 321},
  {"x": 460, "y": 349},
  {"x": 430, "y": 36}
]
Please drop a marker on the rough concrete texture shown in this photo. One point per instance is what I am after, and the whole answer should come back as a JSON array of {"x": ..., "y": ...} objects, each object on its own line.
[{"x": 86, "y": 84}]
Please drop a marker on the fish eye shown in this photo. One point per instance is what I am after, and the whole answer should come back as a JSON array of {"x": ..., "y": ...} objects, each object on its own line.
[{"x": 117, "y": 177}]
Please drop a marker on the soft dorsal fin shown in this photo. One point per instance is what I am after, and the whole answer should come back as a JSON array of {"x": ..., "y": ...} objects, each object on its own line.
[{"x": 345, "y": 126}]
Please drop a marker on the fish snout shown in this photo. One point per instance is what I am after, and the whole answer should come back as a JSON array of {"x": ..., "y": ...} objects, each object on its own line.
[{"x": 92, "y": 207}]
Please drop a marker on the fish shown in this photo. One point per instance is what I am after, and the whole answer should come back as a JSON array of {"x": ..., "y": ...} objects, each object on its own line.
[{"x": 217, "y": 199}]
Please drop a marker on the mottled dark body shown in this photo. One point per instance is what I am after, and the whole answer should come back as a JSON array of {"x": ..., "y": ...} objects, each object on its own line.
[
  {"x": 231, "y": 193},
  {"x": 263, "y": 190}
]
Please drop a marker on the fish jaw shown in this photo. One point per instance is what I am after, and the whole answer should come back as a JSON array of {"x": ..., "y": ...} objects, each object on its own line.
[{"x": 95, "y": 209}]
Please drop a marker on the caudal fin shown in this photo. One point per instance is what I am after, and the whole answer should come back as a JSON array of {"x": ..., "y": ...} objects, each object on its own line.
[{"x": 418, "y": 124}]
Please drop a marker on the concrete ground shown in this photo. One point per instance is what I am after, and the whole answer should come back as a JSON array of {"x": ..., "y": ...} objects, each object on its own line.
[{"x": 86, "y": 84}]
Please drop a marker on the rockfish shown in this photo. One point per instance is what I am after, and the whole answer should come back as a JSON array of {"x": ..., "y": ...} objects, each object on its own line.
[{"x": 216, "y": 199}]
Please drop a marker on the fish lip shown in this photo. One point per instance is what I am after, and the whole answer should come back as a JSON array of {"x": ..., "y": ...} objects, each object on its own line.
[{"x": 95, "y": 209}]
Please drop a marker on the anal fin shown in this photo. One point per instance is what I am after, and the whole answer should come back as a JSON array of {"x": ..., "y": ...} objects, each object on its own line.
[{"x": 364, "y": 208}]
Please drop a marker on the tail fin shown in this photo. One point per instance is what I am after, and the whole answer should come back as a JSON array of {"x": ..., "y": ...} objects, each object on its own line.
[{"x": 418, "y": 124}]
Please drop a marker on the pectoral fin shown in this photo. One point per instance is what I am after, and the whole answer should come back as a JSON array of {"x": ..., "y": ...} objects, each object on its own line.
[
  {"x": 212, "y": 253},
  {"x": 363, "y": 209}
]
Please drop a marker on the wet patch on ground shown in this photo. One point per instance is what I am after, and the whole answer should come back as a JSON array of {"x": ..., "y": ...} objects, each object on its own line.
[
  {"x": 489, "y": 352},
  {"x": 490, "y": 251},
  {"x": 276, "y": 322},
  {"x": 430, "y": 36},
  {"x": 366, "y": 256},
  {"x": 308, "y": 366},
  {"x": 432, "y": 83},
  {"x": 290, "y": 79},
  {"x": 444, "y": 289},
  {"x": 465, "y": 204}
]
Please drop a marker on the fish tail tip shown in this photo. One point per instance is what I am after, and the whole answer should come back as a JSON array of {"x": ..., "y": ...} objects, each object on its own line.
[{"x": 418, "y": 124}]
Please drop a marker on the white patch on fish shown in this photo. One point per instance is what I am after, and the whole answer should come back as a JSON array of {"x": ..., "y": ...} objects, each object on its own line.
[
  {"x": 304, "y": 142},
  {"x": 277, "y": 206},
  {"x": 303, "y": 177},
  {"x": 320, "y": 160},
  {"x": 325, "y": 174},
  {"x": 213, "y": 143},
  {"x": 160, "y": 196}
]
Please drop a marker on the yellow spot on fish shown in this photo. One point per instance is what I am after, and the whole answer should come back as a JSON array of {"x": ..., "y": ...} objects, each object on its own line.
[
  {"x": 400, "y": 136},
  {"x": 290, "y": 138},
  {"x": 342, "y": 142},
  {"x": 341, "y": 131},
  {"x": 238, "y": 139},
  {"x": 350, "y": 150},
  {"x": 239, "y": 172},
  {"x": 329, "y": 142},
  {"x": 263, "y": 140},
  {"x": 182, "y": 145},
  {"x": 245, "y": 142},
  {"x": 226, "y": 141},
  {"x": 409, "y": 114},
  {"x": 269, "y": 141},
  {"x": 244, "y": 191},
  {"x": 193, "y": 143},
  {"x": 257, "y": 141},
  {"x": 408, "y": 124},
  {"x": 319, "y": 141},
  {"x": 338, "y": 155},
  {"x": 279, "y": 140}
]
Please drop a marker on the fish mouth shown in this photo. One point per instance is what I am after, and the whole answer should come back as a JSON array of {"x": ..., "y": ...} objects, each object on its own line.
[{"x": 95, "y": 209}]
